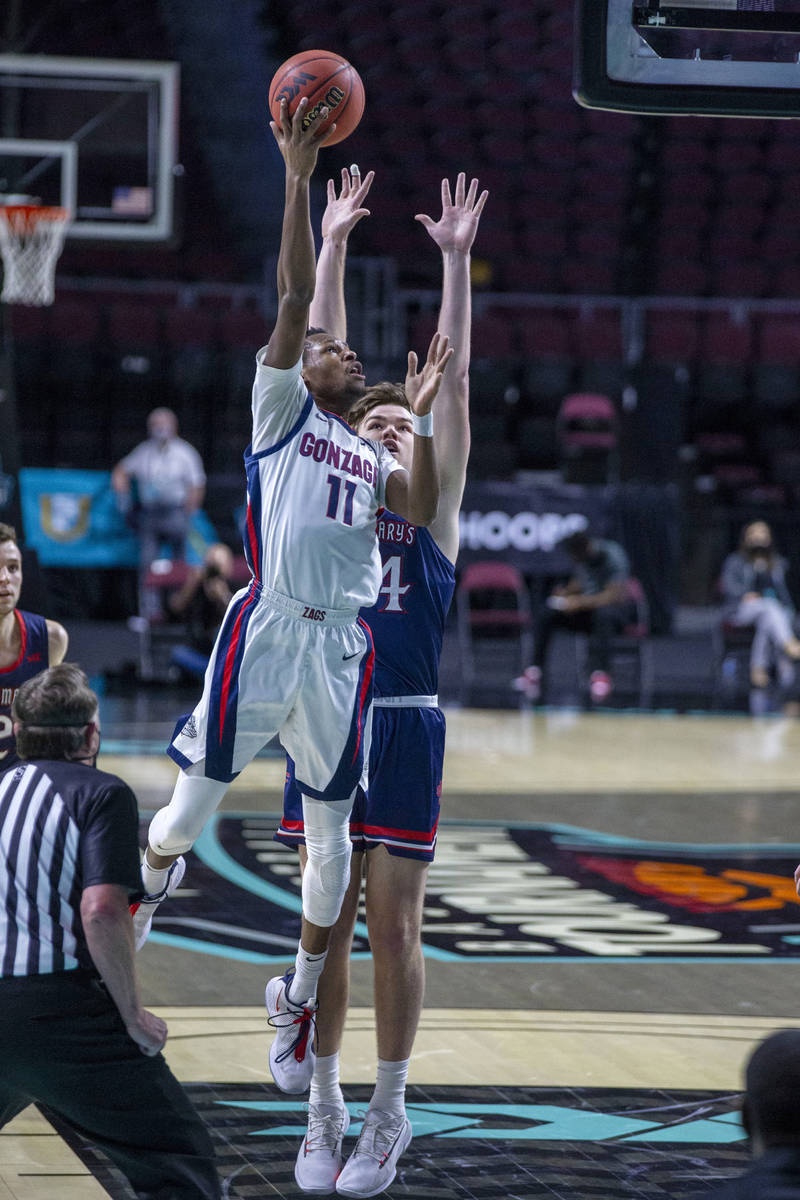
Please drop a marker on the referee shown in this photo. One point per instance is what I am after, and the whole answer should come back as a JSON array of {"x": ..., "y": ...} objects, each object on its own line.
[{"x": 73, "y": 1033}]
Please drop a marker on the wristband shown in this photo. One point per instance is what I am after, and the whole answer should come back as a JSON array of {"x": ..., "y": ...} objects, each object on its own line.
[{"x": 422, "y": 426}]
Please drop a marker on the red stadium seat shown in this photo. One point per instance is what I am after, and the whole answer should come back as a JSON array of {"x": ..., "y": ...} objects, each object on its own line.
[
  {"x": 492, "y": 602},
  {"x": 726, "y": 338}
]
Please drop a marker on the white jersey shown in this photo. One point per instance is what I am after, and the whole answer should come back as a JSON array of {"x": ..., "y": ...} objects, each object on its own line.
[{"x": 314, "y": 490}]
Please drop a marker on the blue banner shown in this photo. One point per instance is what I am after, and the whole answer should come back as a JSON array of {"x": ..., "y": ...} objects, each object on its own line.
[{"x": 72, "y": 519}]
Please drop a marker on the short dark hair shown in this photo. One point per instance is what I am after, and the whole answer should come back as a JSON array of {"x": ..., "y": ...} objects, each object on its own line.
[
  {"x": 53, "y": 709},
  {"x": 8, "y": 534},
  {"x": 772, "y": 1081},
  {"x": 379, "y": 393},
  {"x": 313, "y": 331}
]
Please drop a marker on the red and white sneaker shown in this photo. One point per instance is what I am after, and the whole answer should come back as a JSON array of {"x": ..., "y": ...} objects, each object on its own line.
[
  {"x": 142, "y": 911},
  {"x": 529, "y": 683},
  {"x": 292, "y": 1054},
  {"x": 319, "y": 1159},
  {"x": 600, "y": 686},
  {"x": 373, "y": 1164}
]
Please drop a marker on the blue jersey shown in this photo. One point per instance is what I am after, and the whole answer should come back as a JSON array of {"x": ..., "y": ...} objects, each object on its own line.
[
  {"x": 407, "y": 621},
  {"x": 33, "y": 658}
]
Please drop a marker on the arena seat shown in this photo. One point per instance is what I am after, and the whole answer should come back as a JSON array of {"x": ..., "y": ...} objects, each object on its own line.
[
  {"x": 776, "y": 389},
  {"x": 586, "y": 430},
  {"x": 726, "y": 337},
  {"x": 730, "y": 662},
  {"x": 589, "y": 277},
  {"x": 492, "y": 606},
  {"x": 671, "y": 336}
]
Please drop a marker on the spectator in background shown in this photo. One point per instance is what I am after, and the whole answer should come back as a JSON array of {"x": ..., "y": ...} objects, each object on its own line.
[
  {"x": 754, "y": 591},
  {"x": 592, "y": 601},
  {"x": 771, "y": 1117},
  {"x": 73, "y": 1032},
  {"x": 201, "y": 604},
  {"x": 159, "y": 484}
]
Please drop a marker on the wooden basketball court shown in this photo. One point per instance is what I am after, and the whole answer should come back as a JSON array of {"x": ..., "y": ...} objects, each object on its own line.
[{"x": 611, "y": 925}]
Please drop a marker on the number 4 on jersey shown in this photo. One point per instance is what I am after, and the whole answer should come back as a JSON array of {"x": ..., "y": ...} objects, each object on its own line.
[{"x": 392, "y": 586}]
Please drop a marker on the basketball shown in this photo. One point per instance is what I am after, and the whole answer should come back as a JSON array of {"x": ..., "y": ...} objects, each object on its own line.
[{"x": 326, "y": 79}]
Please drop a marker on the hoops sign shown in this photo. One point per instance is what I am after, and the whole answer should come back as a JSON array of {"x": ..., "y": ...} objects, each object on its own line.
[
  {"x": 523, "y": 531},
  {"x": 524, "y": 523}
]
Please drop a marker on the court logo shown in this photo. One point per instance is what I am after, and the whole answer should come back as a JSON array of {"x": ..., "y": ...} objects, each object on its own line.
[
  {"x": 493, "y": 1142},
  {"x": 495, "y": 894}
]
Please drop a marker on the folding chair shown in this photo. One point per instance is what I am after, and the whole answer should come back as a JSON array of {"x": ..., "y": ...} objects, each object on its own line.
[
  {"x": 492, "y": 603},
  {"x": 587, "y": 436}
]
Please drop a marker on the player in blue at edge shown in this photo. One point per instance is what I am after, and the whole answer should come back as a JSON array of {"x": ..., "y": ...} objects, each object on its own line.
[
  {"x": 28, "y": 643},
  {"x": 394, "y": 830}
]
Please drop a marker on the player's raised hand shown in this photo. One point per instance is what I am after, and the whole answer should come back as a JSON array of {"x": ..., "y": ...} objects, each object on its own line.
[
  {"x": 343, "y": 212},
  {"x": 797, "y": 879},
  {"x": 298, "y": 145},
  {"x": 422, "y": 386},
  {"x": 456, "y": 228}
]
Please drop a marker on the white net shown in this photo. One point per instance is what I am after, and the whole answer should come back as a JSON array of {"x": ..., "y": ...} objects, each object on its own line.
[{"x": 31, "y": 239}]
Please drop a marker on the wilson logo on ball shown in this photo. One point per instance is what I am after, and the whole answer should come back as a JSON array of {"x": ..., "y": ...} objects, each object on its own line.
[
  {"x": 291, "y": 89},
  {"x": 332, "y": 98}
]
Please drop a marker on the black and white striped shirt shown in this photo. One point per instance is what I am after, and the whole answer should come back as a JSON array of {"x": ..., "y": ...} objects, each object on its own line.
[{"x": 64, "y": 826}]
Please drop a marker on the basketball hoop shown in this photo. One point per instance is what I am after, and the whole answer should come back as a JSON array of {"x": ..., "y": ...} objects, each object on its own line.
[{"x": 31, "y": 239}]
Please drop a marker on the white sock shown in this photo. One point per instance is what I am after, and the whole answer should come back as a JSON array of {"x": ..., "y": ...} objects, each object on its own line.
[
  {"x": 154, "y": 879},
  {"x": 307, "y": 970},
  {"x": 390, "y": 1087},
  {"x": 325, "y": 1087}
]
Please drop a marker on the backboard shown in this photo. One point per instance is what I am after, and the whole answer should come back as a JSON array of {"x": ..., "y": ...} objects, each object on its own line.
[
  {"x": 98, "y": 137},
  {"x": 702, "y": 57}
]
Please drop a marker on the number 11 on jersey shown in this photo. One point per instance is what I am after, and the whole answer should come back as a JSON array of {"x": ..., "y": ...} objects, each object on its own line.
[{"x": 335, "y": 484}]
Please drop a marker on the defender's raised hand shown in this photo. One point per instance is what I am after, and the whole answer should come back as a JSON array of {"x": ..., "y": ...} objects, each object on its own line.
[
  {"x": 343, "y": 212},
  {"x": 456, "y": 228},
  {"x": 422, "y": 386}
]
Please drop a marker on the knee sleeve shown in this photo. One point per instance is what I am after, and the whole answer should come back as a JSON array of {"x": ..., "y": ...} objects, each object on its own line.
[
  {"x": 175, "y": 828},
  {"x": 327, "y": 871}
]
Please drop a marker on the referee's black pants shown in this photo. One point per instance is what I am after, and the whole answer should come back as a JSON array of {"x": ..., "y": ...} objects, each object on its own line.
[{"x": 63, "y": 1044}]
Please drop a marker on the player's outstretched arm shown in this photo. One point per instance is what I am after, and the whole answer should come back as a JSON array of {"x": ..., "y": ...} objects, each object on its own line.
[
  {"x": 342, "y": 214},
  {"x": 296, "y": 269},
  {"x": 415, "y": 495},
  {"x": 454, "y": 234}
]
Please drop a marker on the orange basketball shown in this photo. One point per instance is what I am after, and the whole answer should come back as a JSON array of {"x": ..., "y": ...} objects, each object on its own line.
[{"x": 326, "y": 79}]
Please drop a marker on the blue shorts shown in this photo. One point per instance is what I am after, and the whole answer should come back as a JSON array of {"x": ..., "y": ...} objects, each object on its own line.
[{"x": 401, "y": 809}]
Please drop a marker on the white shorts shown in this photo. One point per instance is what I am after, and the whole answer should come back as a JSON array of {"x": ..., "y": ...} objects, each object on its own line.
[{"x": 283, "y": 667}]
